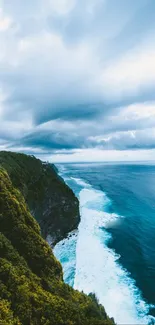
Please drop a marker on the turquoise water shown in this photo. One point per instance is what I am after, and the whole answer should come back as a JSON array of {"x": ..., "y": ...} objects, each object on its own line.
[{"x": 113, "y": 252}]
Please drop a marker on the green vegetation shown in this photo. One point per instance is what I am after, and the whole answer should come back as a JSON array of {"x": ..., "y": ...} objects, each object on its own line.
[
  {"x": 32, "y": 291},
  {"x": 50, "y": 200}
]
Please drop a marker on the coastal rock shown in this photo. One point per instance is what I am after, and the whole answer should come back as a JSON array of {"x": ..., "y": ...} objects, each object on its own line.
[{"x": 50, "y": 200}]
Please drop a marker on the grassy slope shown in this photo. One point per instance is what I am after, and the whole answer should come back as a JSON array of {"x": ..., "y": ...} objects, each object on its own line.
[
  {"x": 50, "y": 200},
  {"x": 32, "y": 291}
]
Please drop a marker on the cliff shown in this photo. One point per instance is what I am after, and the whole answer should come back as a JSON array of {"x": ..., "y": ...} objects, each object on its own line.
[
  {"x": 32, "y": 291},
  {"x": 50, "y": 200}
]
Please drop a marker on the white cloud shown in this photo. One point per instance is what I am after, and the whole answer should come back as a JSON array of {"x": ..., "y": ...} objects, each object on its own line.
[
  {"x": 62, "y": 7},
  {"x": 52, "y": 71},
  {"x": 138, "y": 111},
  {"x": 137, "y": 115},
  {"x": 132, "y": 72},
  {"x": 96, "y": 155},
  {"x": 5, "y": 21}
]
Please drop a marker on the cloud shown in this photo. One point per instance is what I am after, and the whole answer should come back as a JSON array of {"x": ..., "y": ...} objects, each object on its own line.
[
  {"x": 77, "y": 75},
  {"x": 5, "y": 22},
  {"x": 131, "y": 128},
  {"x": 125, "y": 140},
  {"x": 134, "y": 73},
  {"x": 62, "y": 7},
  {"x": 96, "y": 155},
  {"x": 59, "y": 82}
]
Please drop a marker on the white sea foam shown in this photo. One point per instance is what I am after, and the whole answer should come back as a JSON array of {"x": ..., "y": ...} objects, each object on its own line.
[
  {"x": 96, "y": 267},
  {"x": 65, "y": 251},
  {"x": 80, "y": 182}
]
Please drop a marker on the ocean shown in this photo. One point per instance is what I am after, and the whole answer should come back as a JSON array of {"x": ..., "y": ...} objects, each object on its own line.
[{"x": 113, "y": 252}]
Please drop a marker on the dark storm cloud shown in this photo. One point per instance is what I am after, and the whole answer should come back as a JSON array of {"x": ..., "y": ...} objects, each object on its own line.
[{"x": 48, "y": 140}]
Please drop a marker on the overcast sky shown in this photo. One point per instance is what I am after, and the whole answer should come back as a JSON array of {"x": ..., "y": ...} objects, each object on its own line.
[{"x": 77, "y": 79}]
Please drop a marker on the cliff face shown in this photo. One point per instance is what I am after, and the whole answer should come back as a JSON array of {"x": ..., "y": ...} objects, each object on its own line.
[
  {"x": 32, "y": 291},
  {"x": 50, "y": 200}
]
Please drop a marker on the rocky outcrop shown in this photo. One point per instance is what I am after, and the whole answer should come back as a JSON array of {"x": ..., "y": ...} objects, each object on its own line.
[{"x": 50, "y": 200}]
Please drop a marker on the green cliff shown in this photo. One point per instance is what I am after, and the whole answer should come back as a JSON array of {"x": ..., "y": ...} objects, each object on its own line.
[
  {"x": 32, "y": 291},
  {"x": 50, "y": 200}
]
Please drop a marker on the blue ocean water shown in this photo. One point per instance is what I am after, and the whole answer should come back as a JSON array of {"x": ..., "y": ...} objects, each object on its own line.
[{"x": 113, "y": 251}]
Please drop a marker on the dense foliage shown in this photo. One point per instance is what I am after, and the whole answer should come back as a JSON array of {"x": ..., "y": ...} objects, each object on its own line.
[
  {"x": 32, "y": 291},
  {"x": 50, "y": 200}
]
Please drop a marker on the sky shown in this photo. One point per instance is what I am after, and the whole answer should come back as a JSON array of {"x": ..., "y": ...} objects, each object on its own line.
[{"x": 77, "y": 79}]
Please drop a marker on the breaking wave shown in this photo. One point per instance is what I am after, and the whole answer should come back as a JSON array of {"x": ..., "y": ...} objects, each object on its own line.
[{"x": 91, "y": 266}]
